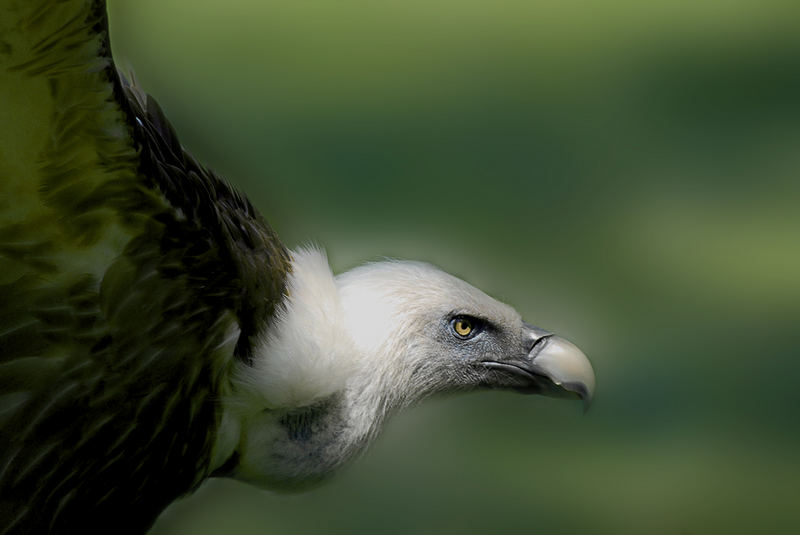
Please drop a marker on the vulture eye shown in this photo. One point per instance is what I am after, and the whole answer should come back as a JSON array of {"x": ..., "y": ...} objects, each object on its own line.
[{"x": 464, "y": 327}]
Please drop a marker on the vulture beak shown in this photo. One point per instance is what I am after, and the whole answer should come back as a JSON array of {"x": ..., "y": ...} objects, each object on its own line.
[{"x": 552, "y": 366}]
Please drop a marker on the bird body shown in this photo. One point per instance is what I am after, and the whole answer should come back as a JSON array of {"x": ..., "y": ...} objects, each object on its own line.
[{"x": 154, "y": 331}]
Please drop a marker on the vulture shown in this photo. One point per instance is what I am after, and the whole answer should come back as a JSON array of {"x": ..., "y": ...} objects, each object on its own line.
[{"x": 154, "y": 330}]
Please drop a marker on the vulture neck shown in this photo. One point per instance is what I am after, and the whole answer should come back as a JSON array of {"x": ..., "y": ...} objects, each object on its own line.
[
  {"x": 296, "y": 448},
  {"x": 313, "y": 398}
]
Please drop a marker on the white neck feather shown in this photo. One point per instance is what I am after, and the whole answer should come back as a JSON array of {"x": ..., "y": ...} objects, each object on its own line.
[
  {"x": 333, "y": 336},
  {"x": 307, "y": 355}
]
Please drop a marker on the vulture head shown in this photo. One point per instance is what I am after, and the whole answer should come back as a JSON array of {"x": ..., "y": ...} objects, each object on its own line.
[{"x": 347, "y": 351}]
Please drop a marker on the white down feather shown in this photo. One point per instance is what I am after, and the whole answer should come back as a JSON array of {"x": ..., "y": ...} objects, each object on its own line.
[{"x": 306, "y": 355}]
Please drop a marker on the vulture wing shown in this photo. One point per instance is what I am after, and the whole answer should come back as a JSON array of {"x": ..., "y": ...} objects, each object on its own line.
[{"x": 131, "y": 278}]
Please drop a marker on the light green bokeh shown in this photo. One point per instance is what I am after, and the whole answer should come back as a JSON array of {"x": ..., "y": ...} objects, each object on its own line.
[{"x": 624, "y": 173}]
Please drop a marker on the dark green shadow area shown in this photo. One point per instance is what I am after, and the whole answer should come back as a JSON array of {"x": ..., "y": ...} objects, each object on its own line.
[{"x": 627, "y": 177}]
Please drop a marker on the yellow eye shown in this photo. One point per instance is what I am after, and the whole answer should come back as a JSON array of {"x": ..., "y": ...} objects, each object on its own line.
[{"x": 462, "y": 327}]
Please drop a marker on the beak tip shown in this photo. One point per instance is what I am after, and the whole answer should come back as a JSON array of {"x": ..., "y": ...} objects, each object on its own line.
[
  {"x": 587, "y": 403},
  {"x": 582, "y": 391}
]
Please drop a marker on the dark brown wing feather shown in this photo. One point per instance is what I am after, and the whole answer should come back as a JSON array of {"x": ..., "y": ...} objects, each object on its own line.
[{"x": 130, "y": 279}]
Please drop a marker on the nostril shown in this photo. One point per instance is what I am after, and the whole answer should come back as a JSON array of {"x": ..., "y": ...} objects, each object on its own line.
[
  {"x": 535, "y": 335},
  {"x": 536, "y": 343}
]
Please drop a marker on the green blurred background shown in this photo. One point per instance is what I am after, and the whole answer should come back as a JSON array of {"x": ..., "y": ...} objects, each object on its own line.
[{"x": 623, "y": 173}]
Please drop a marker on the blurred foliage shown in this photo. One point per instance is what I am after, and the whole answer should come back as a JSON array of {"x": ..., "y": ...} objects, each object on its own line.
[{"x": 624, "y": 173}]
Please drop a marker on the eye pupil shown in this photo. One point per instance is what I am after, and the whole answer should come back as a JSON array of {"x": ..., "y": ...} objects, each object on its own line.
[{"x": 462, "y": 327}]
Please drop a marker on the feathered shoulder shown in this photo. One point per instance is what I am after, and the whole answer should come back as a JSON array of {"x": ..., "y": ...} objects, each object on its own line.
[{"x": 131, "y": 279}]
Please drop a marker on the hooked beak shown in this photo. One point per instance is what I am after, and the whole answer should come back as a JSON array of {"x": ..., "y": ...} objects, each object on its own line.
[{"x": 552, "y": 367}]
